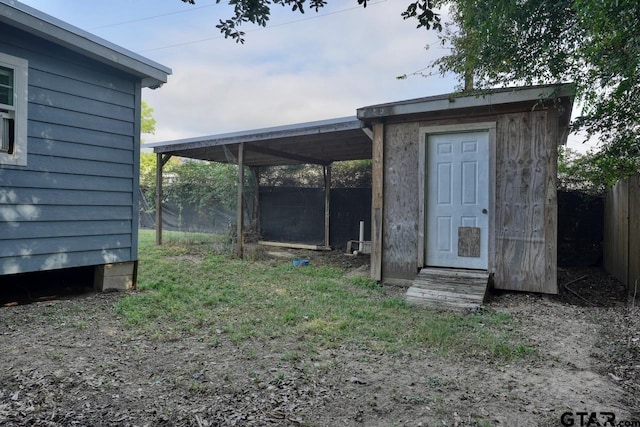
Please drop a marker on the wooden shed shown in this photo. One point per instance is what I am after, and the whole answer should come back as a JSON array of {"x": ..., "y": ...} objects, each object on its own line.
[
  {"x": 69, "y": 157},
  {"x": 467, "y": 182}
]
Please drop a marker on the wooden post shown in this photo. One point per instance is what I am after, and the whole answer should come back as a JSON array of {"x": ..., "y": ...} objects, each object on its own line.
[
  {"x": 255, "y": 172},
  {"x": 240, "y": 204},
  {"x": 159, "y": 199},
  {"x": 327, "y": 205},
  {"x": 377, "y": 200}
]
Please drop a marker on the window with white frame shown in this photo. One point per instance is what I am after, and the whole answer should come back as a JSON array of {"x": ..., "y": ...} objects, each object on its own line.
[{"x": 13, "y": 110}]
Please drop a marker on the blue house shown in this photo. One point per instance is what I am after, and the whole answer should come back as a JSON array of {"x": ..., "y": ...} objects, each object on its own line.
[{"x": 69, "y": 148}]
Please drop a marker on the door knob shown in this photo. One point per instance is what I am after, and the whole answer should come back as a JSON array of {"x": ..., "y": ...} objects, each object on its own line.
[{"x": 484, "y": 211}]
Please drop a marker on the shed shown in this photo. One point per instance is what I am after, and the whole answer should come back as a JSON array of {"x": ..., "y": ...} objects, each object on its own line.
[
  {"x": 467, "y": 182},
  {"x": 69, "y": 158},
  {"x": 464, "y": 184}
]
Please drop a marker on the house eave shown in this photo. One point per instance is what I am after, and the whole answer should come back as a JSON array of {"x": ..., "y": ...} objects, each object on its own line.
[{"x": 40, "y": 24}]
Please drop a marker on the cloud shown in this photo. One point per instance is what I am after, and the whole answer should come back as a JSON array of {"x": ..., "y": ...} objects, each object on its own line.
[{"x": 311, "y": 70}]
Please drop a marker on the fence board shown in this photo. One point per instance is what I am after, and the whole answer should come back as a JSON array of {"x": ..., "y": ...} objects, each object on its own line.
[
  {"x": 634, "y": 235},
  {"x": 622, "y": 232}
]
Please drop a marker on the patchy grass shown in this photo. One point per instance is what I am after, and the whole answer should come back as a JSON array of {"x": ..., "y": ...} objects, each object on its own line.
[{"x": 188, "y": 288}]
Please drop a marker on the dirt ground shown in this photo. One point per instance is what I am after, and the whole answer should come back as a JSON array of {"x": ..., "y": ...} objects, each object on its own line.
[{"x": 73, "y": 362}]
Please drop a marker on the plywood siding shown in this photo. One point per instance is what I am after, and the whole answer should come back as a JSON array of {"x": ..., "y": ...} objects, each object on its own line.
[
  {"x": 401, "y": 198},
  {"x": 74, "y": 203},
  {"x": 526, "y": 205},
  {"x": 622, "y": 233},
  {"x": 377, "y": 199}
]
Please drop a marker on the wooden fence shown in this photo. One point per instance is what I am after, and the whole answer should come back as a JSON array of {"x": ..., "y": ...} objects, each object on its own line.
[{"x": 622, "y": 233}]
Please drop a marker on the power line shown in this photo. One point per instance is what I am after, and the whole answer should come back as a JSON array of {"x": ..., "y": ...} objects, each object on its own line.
[
  {"x": 148, "y": 18},
  {"x": 263, "y": 28}
]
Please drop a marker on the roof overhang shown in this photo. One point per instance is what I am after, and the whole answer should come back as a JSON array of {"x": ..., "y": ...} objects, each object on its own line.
[
  {"x": 453, "y": 103},
  {"x": 349, "y": 138},
  {"x": 40, "y": 24},
  {"x": 320, "y": 142}
]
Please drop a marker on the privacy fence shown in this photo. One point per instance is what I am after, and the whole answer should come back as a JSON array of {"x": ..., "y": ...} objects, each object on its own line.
[
  {"x": 622, "y": 233},
  {"x": 286, "y": 214}
]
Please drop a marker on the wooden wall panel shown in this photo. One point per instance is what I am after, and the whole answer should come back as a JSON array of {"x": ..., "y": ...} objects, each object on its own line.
[
  {"x": 526, "y": 206},
  {"x": 62, "y": 244},
  {"x": 53, "y": 132},
  {"x": 377, "y": 200},
  {"x": 26, "y": 198},
  {"x": 401, "y": 198},
  {"x": 43, "y": 180},
  {"x": 74, "y": 204},
  {"x": 59, "y": 260},
  {"x": 616, "y": 231}
]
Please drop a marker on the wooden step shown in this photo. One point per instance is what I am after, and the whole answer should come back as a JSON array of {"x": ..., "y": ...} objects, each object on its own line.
[{"x": 448, "y": 288}]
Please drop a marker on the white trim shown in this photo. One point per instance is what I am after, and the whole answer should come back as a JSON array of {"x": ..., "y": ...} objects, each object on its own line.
[
  {"x": 18, "y": 111},
  {"x": 424, "y": 133}
]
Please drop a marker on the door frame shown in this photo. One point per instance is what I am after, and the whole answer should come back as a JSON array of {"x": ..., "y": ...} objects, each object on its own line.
[{"x": 425, "y": 132}]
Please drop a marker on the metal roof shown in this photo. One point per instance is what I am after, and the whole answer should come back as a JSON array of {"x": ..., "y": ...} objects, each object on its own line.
[
  {"x": 346, "y": 138},
  {"x": 320, "y": 142},
  {"x": 456, "y": 101},
  {"x": 40, "y": 24}
]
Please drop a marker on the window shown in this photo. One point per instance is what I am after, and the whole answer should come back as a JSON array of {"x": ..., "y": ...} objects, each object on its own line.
[{"x": 13, "y": 110}]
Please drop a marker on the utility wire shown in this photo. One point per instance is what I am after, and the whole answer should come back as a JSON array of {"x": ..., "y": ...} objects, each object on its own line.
[
  {"x": 262, "y": 28},
  {"x": 148, "y": 18}
]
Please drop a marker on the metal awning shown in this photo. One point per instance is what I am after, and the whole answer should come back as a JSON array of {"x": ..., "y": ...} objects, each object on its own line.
[{"x": 320, "y": 142}]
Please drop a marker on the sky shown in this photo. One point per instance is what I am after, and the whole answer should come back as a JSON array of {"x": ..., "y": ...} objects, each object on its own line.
[{"x": 300, "y": 68}]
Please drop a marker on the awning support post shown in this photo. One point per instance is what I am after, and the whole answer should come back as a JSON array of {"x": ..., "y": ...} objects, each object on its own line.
[
  {"x": 327, "y": 205},
  {"x": 161, "y": 160},
  {"x": 240, "y": 204},
  {"x": 255, "y": 175}
]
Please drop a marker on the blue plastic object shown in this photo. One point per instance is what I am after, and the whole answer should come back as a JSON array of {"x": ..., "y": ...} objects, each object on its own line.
[{"x": 300, "y": 262}]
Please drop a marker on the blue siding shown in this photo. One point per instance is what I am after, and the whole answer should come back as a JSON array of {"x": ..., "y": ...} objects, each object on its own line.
[{"x": 74, "y": 203}]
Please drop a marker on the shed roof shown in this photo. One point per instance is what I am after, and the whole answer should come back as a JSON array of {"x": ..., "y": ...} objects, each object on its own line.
[
  {"x": 38, "y": 23},
  {"x": 347, "y": 138},
  {"x": 320, "y": 142},
  {"x": 458, "y": 101}
]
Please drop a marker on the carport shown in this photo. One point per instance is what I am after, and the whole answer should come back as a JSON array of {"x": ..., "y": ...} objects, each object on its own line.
[{"x": 317, "y": 143}]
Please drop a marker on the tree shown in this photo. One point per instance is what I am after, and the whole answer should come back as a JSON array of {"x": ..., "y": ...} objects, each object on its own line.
[
  {"x": 593, "y": 43},
  {"x": 147, "y": 160},
  {"x": 148, "y": 123},
  {"x": 259, "y": 11}
]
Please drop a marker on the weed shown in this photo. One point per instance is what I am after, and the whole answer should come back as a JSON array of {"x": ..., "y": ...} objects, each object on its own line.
[
  {"x": 54, "y": 355},
  {"x": 80, "y": 324},
  {"x": 255, "y": 300},
  {"x": 365, "y": 282},
  {"x": 291, "y": 357},
  {"x": 414, "y": 400}
]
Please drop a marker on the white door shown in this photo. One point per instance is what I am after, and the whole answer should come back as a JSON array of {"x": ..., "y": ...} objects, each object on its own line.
[{"x": 457, "y": 200}]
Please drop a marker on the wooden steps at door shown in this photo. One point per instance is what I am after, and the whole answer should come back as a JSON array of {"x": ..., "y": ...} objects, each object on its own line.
[{"x": 448, "y": 288}]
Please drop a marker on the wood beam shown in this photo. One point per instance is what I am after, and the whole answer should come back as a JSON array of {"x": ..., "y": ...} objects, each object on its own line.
[
  {"x": 377, "y": 200},
  {"x": 327, "y": 205},
  {"x": 285, "y": 155},
  {"x": 240, "y": 204},
  {"x": 161, "y": 160},
  {"x": 255, "y": 175}
]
